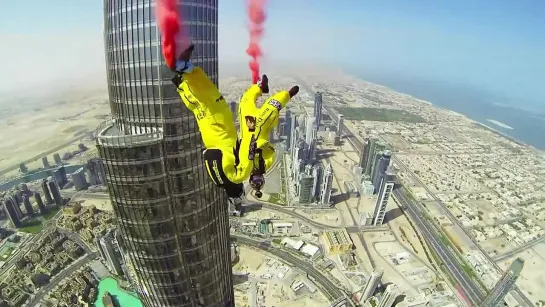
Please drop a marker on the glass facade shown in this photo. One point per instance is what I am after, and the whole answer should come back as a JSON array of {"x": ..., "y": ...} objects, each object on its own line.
[{"x": 173, "y": 220}]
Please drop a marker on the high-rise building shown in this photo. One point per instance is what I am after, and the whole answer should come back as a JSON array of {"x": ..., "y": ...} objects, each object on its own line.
[
  {"x": 110, "y": 252},
  {"x": 317, "y": 112},
  {"x": 380, "y": 169},
  {"x": 386, "y": 186},
  {"x": 506, "y": 283},
  {"x": 340, "y": 125},
  {"x": 13, "y": 211},
  {"x": 305, "y": 188},
  {"x": 287, "y": 128},
  {"x": 325, "y": 188},
  {"x": 96, "y": 172},
  {"x": 47, "y": 195},
  {"x": 389, "y": 296},
  {"x": 173, "y": 219},
  {"x": 375, "y": 152},
  {"x": 55, "y": 192},
  {"x": 368, "y": 147},
  {"x": 372, "y": 284},
  {"x": 45, "y": 162},
  {"x": 310, "y": 136},
  {"x": 39, "y": 202},
  {"x": 60, "y": 176},
  {"x": 233, "y": 106},
  {"x": 317, "y": 175},
  {"x": 57, "y": 159},
  {"x": 78, "y": 179},
  {"x": 24, "y": 187},
  {"x": 28, "y": 206}
]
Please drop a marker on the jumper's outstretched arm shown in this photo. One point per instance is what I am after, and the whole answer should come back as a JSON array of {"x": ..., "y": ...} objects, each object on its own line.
[{"x": 256, "y": 125}]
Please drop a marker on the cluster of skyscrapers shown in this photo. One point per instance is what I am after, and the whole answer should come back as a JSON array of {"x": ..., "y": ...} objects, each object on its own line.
[
  {"x": 312, "y": 179},
  {"x": 22, "y": 195},
  {"x": 375, "y": 177}
]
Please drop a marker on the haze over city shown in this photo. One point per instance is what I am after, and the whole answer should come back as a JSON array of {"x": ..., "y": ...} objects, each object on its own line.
[
  {"x": 394, "y": 156},
  {"x": 495, "y": 47}
]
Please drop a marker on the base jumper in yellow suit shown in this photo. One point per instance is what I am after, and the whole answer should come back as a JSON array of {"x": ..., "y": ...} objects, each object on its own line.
[{"x": 231, "y": 159}]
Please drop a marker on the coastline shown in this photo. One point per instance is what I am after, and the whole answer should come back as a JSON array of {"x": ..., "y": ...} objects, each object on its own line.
[{"x": 476, "y": 123}]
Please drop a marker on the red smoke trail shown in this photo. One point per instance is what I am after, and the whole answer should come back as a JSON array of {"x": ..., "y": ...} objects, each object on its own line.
[
  {"x": 256, "y": 14},
  {"x": 170, "y": 23}
]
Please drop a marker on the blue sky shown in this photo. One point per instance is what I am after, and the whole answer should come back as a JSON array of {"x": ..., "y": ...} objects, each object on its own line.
[{"x": 497, "y": 45}]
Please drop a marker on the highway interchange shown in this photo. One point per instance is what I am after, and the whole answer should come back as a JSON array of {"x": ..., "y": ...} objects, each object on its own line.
[{"x": 448, "y": 259}]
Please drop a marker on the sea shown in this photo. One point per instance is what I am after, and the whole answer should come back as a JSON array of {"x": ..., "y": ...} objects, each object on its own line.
[{"x": 527, "y": 121}]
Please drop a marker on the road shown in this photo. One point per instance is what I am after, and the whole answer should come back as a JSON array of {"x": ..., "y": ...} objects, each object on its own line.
[
  {"x": 519, "y": 296},
  {"x": 518, "y": 249},
  {"x": 22, "y": 250},
  {"x": 449, "y": 260},
  {"x": 74, "y": 237},
  {"x": 328, "y": 287},
  {"x": 358, "y": 146},
  {"x": 59, "y": 277},
  {"x": 290, "y": 212}
]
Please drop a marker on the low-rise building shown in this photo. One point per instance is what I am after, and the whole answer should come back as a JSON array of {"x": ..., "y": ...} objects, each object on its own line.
[{"x": 337, "y": 241}]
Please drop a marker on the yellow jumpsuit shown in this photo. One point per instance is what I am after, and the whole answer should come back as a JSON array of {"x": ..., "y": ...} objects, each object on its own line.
[
  {"x": 227, "y": 159},
  {"x": 257, "y": 123}
]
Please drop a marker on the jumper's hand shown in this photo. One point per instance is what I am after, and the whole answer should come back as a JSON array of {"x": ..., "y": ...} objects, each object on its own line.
[{"x": 183, "y": 65}]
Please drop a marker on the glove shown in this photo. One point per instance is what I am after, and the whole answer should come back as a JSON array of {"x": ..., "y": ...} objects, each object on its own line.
[{"x": 183, "y": 65}]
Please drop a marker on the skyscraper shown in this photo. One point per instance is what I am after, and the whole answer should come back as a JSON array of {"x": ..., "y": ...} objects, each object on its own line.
[
  {"x": 372, "y": 284},
  {"x": 366, "y": 153},
  {"x": 310, "y": 136},
  {"x": 55, "y": 192},
  {"x": 47, "y": 194},
  {"x": 233, "y": 106},
  {"x": 305, "y": 188},
  {"x": 45, "y": 162},
  {"x": 386, "y": 186},
  {"x": 28, "y": 206},
  {"x": 340, "y": 125},
  {"x": 325, "y": 188},
  {"x": 173, "y": 219},
  {"x": 13, "y": 211},
  {"x": 317, "y": 175},
  {"x": 390, "y": 295},
  {"x": 375, "y": 151},
  {"x": 380, "y": 169},
  {"x": 287, "y": 128},
  {"x": 39, "y": 202},
  {"x": 506, "y": 283},
  {"x": 317, "y": 113}
]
